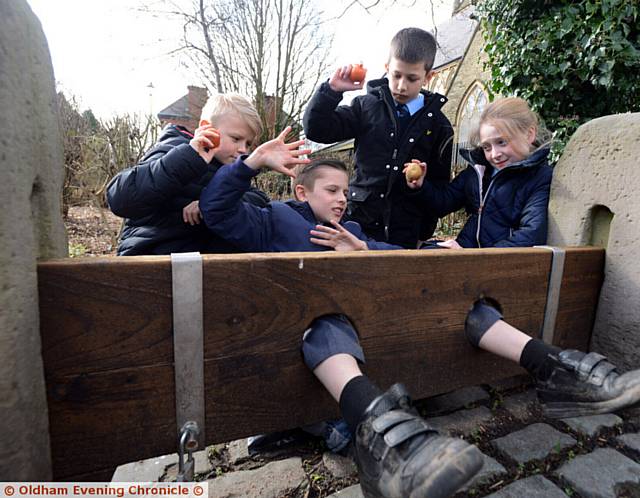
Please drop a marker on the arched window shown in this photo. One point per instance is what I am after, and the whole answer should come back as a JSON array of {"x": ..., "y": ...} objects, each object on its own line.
[
  {"x": 470, "y": 109},
  {"x": 439, "y": 83}
]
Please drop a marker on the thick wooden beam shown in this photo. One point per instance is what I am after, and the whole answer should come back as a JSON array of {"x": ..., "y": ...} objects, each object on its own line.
[
  {"x": 108, "y": 353},
  {"x": 580, "y": 291}
]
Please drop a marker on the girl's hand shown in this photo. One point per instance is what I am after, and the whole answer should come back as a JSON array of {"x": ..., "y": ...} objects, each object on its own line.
[
  {"x": 414, "y": 173},
  {"x": 340, "y": 81},
  {"x": 450, "y": 244},
  {"x": 278, "y": 155},
  {"x": 339, "y": 238}
]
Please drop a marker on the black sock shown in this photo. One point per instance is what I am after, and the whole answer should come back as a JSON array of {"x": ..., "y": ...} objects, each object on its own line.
[
  {"x": 356, "y": 396},
  {"x": 534, "y": 358}
]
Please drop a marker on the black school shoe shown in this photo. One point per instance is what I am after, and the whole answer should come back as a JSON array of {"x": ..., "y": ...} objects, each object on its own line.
[
  {"x": 400, "y": 456},
  {"x": 585, "y": 384}
]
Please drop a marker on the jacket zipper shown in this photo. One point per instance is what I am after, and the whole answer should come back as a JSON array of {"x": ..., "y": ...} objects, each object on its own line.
[
  {"x": 479, "y": 175},
  {"x": 483, "y": 200}
]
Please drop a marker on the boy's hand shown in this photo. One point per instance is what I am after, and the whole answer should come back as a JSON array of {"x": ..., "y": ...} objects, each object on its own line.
[
  {"x": 450, "y": 244},
  {"x": 411, "y": 174},
  {"x": 340, "y": 81},
  {"x": 339, "y": 238},
  {"x": 202, "y": 142},
  {"x": 278, "y": 155},
  {"x": 191, "y": 213}
]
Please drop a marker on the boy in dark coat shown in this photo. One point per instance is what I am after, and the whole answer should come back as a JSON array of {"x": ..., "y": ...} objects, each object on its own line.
[
  {"x": 398, "y": 454},
  {"x": 395, "y": 122},
  {"x": 159, "y": 197}
]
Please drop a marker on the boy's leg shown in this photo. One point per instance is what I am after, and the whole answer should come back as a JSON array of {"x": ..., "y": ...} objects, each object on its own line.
[
  {"x": 397, "y": 453},
  {"x": 570, "y": 383}
]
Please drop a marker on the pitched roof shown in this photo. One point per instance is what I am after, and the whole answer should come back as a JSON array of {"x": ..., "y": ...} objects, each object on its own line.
[
  {"x": 454, "y": 36},
  {"x": 179, "y": 109}
]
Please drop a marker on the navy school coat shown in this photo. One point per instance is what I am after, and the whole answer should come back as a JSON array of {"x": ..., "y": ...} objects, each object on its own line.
[{"x": 508, "y": 209}]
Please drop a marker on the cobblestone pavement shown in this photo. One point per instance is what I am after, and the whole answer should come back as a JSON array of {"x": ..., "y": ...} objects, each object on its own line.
[{"x": 526, "y": 454}]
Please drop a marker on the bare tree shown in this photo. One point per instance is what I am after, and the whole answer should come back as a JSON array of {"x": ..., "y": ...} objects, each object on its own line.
[
  {"x": 272, "y": 50},
  {"x": 95, "y": 150}
]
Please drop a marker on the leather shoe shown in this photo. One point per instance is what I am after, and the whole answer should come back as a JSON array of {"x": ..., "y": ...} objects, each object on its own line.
[
  {"x": 585, "y": 384},
  {"x": 399, "y": 455}
]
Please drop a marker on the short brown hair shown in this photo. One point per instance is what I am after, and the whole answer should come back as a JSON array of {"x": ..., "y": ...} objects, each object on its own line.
[
  {"x": 414, "y": 45},
  {"x": 306, "y": 174}
]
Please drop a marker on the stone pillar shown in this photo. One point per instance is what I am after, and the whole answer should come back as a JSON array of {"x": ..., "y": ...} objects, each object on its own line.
[
  {"x": 595, "y": 200},
  {"x": 31, "y": 176}
]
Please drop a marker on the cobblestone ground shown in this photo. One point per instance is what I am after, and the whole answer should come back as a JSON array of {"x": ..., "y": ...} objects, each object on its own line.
[{"x": 526, "y": 454}]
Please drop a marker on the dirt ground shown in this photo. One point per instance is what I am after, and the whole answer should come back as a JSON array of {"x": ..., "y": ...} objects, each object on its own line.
[{"x": 92, "y": 231}]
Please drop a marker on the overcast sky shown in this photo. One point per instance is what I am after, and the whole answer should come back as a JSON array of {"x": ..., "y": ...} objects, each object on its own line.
[{"x": 106, "y": 53}]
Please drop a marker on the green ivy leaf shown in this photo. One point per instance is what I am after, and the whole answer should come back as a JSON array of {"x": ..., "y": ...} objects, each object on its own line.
[{"x": 572, "y": 60}]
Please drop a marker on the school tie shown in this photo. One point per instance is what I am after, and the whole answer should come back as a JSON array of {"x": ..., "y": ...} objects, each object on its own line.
[
  {"x": 403, "y": 118},
  {"x": 403, "y": 111}
]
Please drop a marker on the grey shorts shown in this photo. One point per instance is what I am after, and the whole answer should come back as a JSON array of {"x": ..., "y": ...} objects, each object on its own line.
[{"x": 327, "y": 336}]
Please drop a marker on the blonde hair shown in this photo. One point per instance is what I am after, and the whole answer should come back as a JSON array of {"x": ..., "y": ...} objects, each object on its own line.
[
  {"x": 232, "y": 103},
  {"x": 512, "y": 116}
]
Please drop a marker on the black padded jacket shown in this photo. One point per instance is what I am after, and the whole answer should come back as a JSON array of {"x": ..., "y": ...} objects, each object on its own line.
[
  {"x": 151, "y": 196},
  {"x": 379, "y": 198}
]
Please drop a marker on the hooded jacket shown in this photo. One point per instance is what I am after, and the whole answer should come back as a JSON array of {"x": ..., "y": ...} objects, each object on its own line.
[
  {"x": 278, "y": 227},
  {"x": 151, "y": 196},
  {"x": 379, "y": 199},
  {"x": 506, "y": 209}
]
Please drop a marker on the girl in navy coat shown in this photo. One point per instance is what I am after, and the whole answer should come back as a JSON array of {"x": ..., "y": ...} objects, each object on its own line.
[{"x": 505, "y": 189}]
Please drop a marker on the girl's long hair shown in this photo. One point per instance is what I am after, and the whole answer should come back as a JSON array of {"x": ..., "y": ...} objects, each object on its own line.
[{"x": 512, "y": 116}]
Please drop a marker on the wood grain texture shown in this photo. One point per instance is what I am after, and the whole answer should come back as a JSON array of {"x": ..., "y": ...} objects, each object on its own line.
[
  {"x": 107, "y": 337},
  {"x": 579, "y": 294}
]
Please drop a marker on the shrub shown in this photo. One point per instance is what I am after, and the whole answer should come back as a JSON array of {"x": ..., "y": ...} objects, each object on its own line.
[{"x": 571, "y": 60}]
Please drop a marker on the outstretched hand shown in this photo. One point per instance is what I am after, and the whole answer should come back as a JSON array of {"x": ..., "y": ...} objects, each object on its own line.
[
  {"x": 338, "y": 237},
  {"x": 278, "y": 155}
]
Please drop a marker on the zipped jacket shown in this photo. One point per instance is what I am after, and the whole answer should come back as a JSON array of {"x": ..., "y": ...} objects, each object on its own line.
[
  {"x": 278, "y": 227},
  {"x": 506, "y": 209},
  {"x": 379, "y": 199},
  {"x": 151, "y": 196}
]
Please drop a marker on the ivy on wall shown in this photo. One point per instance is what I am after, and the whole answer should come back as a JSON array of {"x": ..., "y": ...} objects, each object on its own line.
[{"x": 571, "y": 60}]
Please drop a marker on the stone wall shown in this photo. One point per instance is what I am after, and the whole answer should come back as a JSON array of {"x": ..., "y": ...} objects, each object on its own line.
[
  {"x": 595, "y": 199},
  {"x": 31, "y": 175}
]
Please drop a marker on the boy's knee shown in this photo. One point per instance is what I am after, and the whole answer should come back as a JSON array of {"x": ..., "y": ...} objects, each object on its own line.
[
  {"x": 484, "y": 313},
  {"x": 327, "y": 336}
]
